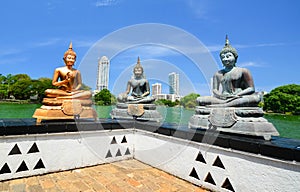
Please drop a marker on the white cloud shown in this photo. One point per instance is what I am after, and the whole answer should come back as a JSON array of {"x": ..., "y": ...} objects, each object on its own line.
[
  {"x": 270, "y": 44},
  {"x": 50, "y": 6},
  {"x": 80, "y": 43},
  {"x": 151, "y": 51},
  {"x": 6, "y": 52},
  {"x": 48, "y": 42},
  {"x": 105, "y": 3},
  {"x": 249, "y": 64},
  {"x": 56, "y": 41},
  {"x": 13, "y": 61},
  {"x": 199, "y": 8},
  {"x": 217, "y": 48}
]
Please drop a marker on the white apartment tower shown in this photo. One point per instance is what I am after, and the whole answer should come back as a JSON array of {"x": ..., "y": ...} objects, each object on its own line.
[
  {"x": 174, "y": 83},
  {"x": 156, "y": 89},
  {"x": 103, "y": 73}
]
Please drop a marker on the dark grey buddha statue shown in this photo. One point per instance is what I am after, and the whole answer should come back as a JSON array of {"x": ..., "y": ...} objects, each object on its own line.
[
  {"x": 233, "y": 107},
  {"x": 232, "y": 86},
  {"x": 138, "y": 85}
]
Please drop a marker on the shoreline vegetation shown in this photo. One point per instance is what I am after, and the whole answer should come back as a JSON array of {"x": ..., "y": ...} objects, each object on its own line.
[{"x": 20, "y": 88}]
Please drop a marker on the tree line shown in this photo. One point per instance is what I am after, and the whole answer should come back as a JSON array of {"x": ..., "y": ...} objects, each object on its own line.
[
  {"x": 22, "y": 87},
  {"x": 283, "y": 99}
]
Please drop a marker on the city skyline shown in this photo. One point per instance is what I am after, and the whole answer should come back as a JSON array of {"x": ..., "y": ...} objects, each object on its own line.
[{"x": 173, "y": 86}]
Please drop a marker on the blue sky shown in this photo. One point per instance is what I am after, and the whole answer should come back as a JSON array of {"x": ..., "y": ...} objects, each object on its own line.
[{"x": 35, "y": 34}]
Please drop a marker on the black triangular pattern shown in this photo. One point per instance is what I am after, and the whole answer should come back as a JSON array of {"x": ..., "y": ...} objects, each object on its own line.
[
  {"x": 124, "y": 140},
  {"x": 194, "y": 174},
  {"x": 108, "y": 154},
  {"x": 39, "y": 165},
  {"x": 200, "y": 158},
  {"x": 118, "y": 153},
  {"x": 15, "y": 150},
  {"x": 22, "y": 167},
  {"x": 113, "y": 141},
  {"x": 218, "y": 163},
  {"x": 209, "y": 179},
  {"x": 5, "y": 169},
  {"x": 127, "y": 152},
  {"x": 227, "y": 185},
  {"x": 33, "y": 149}
]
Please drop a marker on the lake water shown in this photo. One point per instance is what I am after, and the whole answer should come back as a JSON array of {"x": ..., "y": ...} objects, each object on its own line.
[{"x": 287, "y": 125}]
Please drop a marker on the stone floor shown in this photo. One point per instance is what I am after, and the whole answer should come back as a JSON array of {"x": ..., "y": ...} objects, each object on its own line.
[{"x": 123, "y": 176}]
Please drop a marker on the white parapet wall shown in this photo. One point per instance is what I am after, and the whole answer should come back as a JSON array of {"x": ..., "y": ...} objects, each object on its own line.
[
  {"x": 213, "y": 167},
  {"x": 216, "y": 168},
  {"x": 26, "y": 155}
]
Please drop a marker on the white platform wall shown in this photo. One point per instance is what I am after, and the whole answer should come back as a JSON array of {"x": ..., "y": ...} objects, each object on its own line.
[
  {"x": 212, "y": 167},
  {"x": 37, "y": 154},
  {"x": 216, "y": 168}
]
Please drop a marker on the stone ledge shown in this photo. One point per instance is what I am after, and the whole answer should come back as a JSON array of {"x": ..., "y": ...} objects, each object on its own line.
[{"x": 29, "y": 126}]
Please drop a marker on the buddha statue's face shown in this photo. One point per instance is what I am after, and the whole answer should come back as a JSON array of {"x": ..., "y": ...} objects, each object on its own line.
[
  {"x": 70, "y": 60},
  {"x": 138, "y": 71},
  {"x": 228, "y": 59}
]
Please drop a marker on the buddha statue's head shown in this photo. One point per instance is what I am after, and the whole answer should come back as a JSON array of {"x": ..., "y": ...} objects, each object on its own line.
[
  {"x": 138, "y": 69},
  {"x": 228, "y": 48},
  {"x": 69, "y": 52}
]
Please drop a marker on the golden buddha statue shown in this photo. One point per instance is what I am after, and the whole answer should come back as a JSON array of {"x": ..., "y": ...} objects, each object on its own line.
[
  {"x": 68, "y": 101},
  {"x": 70, "y": 80}
]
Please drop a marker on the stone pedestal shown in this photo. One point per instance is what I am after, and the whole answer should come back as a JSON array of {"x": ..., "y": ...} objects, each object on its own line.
[
  {"x": 141, "y": 112},
  {"x": 240, "y": 120},
  {"x": 54, "y": 109}
]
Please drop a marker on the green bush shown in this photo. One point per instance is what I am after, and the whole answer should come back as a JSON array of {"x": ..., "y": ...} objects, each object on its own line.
[
  {"x": 284, "y": 99},
  {"x": 104, "y": 97}
]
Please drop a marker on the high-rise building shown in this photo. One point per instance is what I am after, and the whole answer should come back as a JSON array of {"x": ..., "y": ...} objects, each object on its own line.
[
  {"x": 103, "y": 74},
  {"x": 156, "y": 89},
  {"x": 174, "y": 83}
]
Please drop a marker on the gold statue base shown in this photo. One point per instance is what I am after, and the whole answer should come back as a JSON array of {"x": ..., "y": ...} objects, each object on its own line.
[{"x": 70, "y": 109}]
